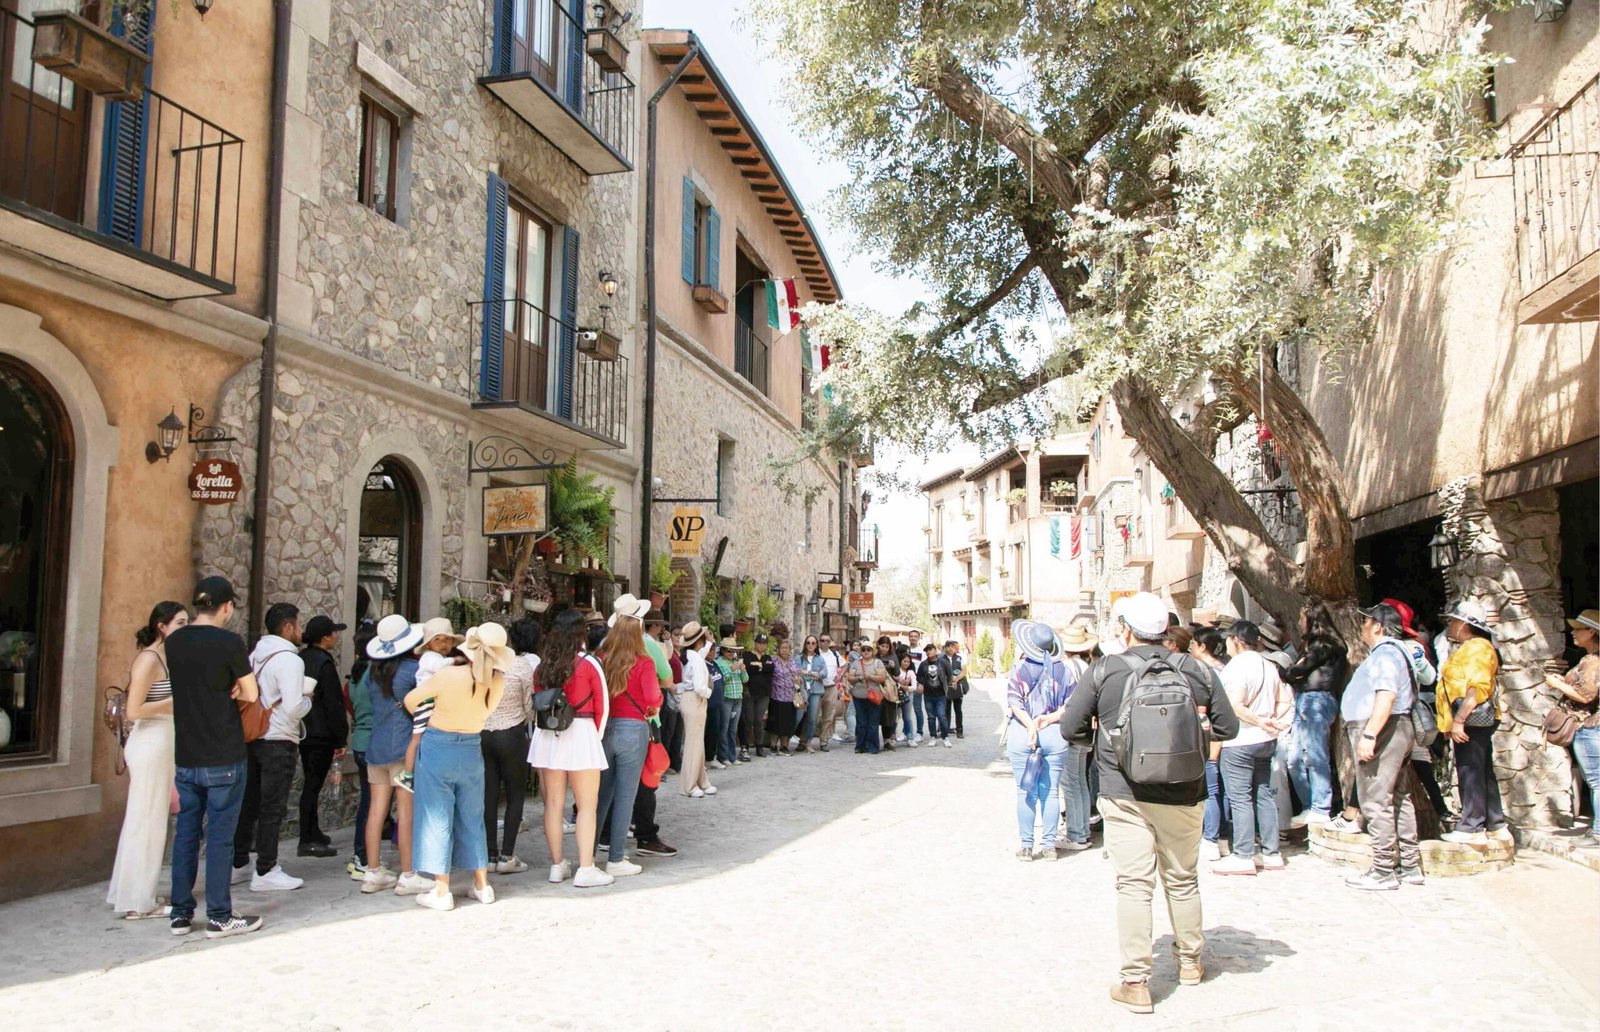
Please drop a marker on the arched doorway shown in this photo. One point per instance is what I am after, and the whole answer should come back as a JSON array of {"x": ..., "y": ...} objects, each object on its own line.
[
  {"x": 36, "y": 455},
  {"x": 389, "y": 577}
]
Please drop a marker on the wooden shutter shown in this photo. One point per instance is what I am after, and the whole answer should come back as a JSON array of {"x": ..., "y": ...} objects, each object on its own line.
[
  {"x": 494, "y": 306},
  {"x": 505, "y": 14},
  {"x": 688, "y": 231},
  {"x": 713, "y": 249},
  {"x": 122, "y": 165},
  {"x": 575, "y": 56},
  {"x": 567, "y": 356}
]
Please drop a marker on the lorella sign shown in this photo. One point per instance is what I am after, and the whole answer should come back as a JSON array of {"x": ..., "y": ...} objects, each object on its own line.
[{"x": 215, "y": 482}]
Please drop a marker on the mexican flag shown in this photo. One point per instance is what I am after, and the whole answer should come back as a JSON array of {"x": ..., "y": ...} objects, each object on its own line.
[{"x": 783, "y": 305}]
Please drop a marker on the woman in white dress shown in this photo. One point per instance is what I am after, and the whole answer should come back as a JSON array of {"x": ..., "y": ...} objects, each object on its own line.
[
  {"x": 574, "y": 756},
  {"x": 151, "y": 768}
]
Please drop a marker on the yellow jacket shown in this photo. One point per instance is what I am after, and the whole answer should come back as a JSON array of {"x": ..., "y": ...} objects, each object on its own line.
[{"x": 1470, "y": 671}]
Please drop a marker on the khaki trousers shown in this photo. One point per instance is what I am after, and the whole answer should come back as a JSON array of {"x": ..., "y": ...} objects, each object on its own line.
[
  {"x": 831, "y": 709},
  {"x": 1143, "y": 837},
  {"x": 692, "y": 774},
  {"x": 1385, "y": 791}
]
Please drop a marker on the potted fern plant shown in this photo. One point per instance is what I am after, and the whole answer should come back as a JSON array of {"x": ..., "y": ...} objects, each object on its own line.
[
  {"x": 581, "y": 516},
  {"x": 662, "y": 578}
]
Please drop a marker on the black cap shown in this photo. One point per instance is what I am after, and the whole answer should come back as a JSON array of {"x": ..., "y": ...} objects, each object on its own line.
[
  {"x": 212, "y": 592},
  {"x": 319, "y": 627},
  {"x": 762, "y": 638},
  {"x": 1246, "y": 632}
]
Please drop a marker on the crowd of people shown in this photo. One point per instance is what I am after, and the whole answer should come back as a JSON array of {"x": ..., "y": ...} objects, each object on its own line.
[
  {"x": 1181, "y": 735},
  {"x": 444, "y": 729}
]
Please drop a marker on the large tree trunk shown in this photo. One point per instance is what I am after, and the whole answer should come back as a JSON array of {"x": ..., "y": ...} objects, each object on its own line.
[{"x": 1267, "y": 573}]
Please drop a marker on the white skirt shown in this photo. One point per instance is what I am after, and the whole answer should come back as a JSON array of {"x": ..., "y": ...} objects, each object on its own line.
[{"x": 576, "y": 748}]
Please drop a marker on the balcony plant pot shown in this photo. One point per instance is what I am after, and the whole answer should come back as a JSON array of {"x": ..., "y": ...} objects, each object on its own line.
[
  {"x": 606, "y": 50},
  {"x": 76, "y": 48},
  {"x": 603, "y": 348}
]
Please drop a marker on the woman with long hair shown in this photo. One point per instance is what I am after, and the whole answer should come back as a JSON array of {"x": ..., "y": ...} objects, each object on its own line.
[
  {"x": 1211, "y": 648},
  {"x": 693, "y": 703},
  {"x": 151, "y": 768},
  {"x": 505, "y": 749},
  {"x": 635, "y": 696},
  {"x": 574, "y": 756},
  {"x": 449, "y": 773},
  {"x": 1317, "y": 677},
  {"x": 390, "y": 675},
  {"x": 813, "y": 670}
]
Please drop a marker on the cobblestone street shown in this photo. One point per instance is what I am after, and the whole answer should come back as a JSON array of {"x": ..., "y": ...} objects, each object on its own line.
[{"x": 833, "y": 891}]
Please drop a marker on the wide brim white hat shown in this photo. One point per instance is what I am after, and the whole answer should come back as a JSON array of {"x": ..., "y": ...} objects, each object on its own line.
[
  {"x": 394, "y": 636},
  {"x": 485, "y": 645},
  {"x": 1471, "y": 614},
  {"x": 628, "y": 606}
]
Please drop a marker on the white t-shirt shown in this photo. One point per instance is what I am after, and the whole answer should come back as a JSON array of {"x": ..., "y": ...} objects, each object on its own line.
[
  {"x": 430, "y": 663},
  {"x": 1252, "y": 682},
  {"x": 830, "y": 667}
]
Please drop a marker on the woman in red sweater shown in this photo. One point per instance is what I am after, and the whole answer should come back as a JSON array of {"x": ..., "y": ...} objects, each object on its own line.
[
  {"x": 635, "y": 692},
  {"x": 574, "y": 756}
]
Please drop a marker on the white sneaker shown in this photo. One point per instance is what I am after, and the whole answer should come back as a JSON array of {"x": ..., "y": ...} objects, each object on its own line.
[
  {"x": 510, "y": 865},
  {"x": 242, "y": 873},
  {"x": 567, "y": 827},
  {"x": 484, "y": 895},
  {"x": 436, "y": 900},
  {"x": 899, "y": 738},
  {"x": 1270, "y": 863},
  {"x": 377, "y": 881},
  {"x": 1503, "y": 833},
  {"x": 411, "y": 883},
  {"x": 837, "y": 738},
  {"x": 591, "y": 878},
  {"x": 560, "y": 872},
  {"x": 1466, "y": 838},
  {"x": 794, "y": 741},
  {"x": 622, "y": 868},
  {"x": 711, "y": 790},
  {"x": 947, "y": 744},
  {"x": 696, "y": 793},
  {"x": 1233, "y": 863},
  {"x": 1210, "y": 850},
  {"x": 1307, "y": 817},
  {"x": 716, "y": 765},
  {"x": 275, "y": 880}
]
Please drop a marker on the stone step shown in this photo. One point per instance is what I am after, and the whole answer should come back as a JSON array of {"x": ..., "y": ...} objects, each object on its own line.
[{"x": 1439, "y": 859}]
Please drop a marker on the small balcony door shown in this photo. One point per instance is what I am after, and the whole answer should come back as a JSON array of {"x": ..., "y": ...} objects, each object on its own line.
[
  {"x": 42, "y": 117},
  {"x": 535, "y": 38},
  {"x": 529, "y": 326}
]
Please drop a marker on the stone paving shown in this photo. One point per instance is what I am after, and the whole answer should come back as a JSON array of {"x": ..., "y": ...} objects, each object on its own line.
[{"x": 828, "y": 891}]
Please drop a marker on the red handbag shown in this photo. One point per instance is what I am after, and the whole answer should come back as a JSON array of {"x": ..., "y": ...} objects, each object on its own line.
[{"x": 656, "y": 763}]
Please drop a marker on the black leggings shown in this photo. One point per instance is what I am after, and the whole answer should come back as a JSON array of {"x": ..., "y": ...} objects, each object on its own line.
[{"x": 505, "y": 765}]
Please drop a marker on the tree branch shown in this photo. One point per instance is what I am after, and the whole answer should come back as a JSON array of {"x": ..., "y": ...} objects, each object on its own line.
[
  {"x": 1005, "y": 289},
  {"x": 1052, "y": 172}
]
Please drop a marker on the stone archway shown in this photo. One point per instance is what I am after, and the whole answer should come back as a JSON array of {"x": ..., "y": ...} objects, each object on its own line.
[{"x": 402, "y": 453}]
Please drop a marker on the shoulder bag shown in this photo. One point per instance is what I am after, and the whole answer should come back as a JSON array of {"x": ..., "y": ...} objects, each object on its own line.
[
  {"x": 255, "y": 718},
  {"x": 1561, "y": 724},
  {"x": 553, "y": 711},
  {"x": 874, "y": 696}
]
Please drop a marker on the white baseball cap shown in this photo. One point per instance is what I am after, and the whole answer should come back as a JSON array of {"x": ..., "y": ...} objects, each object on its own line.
[{"x": 1143, "y": 612}]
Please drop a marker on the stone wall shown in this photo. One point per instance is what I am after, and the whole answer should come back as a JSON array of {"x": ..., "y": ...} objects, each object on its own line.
[{"x": 1510, "y": 553}]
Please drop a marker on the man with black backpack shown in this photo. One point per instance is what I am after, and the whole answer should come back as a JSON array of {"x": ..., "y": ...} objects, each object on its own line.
[{"x": 1152, "y": 706}]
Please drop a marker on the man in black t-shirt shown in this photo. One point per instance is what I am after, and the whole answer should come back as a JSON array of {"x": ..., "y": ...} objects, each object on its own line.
[
  {"x": 757, "y": 695},
  {"x": 935, "y": 681},
  {"x": 209, "y": 671}
]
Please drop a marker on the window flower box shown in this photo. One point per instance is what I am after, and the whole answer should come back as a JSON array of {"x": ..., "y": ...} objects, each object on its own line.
[{"x": 77, "y": 49}]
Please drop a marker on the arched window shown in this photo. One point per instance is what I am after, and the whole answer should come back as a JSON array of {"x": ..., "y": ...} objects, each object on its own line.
[
  {"x": 390, "y": 575},
  {"x": 36, "y": 454}
]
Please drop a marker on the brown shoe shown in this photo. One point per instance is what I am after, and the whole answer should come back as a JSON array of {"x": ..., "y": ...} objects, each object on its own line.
[
  {"x": 1190, "y": 972},
  {"x": 1133, "y": 995}
]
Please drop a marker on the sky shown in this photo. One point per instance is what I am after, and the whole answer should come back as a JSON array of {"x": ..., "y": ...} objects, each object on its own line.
[{"x": 759, "y": 80}]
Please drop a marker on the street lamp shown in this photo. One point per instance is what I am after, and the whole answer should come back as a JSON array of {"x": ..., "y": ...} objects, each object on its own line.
[
  {"x": 776, "y": 590},
  {"x": 202, "y": 6},
  {"x": 1442, "y": 550},
  {"x": 813, "y": 606},
  {"x": 1550, "y": 10},
  {"x": 608, "y": 283},
  {"x": 170, "y": 432}
]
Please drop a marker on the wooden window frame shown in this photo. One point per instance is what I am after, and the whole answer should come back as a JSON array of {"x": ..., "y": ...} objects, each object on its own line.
[{"x": 371, "y": 112}]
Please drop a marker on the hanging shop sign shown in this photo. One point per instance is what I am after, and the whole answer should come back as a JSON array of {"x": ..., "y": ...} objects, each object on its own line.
[
  {"x": 215, "y": 482},
  {"x": 830, "y": 590},
  {"x": 518, "y": 509},
  {"x": 860, "y": 600},
  {"x": 686, "y": 531}
]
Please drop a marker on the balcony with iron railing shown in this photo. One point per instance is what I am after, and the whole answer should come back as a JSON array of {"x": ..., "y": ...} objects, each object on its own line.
[
  {"x": 539, "y": 66},
  {"x": 867, "y": 547},
  {"x": 751, "y": 355},
  {"x": 143, "y": 193},
  {"x": 1555, "y": 175},
  {"x": 531, "y": 361}
]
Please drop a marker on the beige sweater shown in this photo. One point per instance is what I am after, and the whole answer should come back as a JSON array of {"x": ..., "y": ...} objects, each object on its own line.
[{"x": 456, "y": 706}]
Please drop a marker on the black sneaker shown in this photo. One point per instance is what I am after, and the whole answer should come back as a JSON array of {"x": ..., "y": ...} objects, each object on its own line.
[
  {"x": 238, "y": 924},
  {"x": 316, "y": 849},
  {"x": 655, "y": 847},
  {"x": 181, "y": 926}
]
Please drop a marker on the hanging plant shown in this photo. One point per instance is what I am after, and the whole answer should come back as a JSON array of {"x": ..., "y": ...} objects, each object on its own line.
[{"x": 581, "y": 515}]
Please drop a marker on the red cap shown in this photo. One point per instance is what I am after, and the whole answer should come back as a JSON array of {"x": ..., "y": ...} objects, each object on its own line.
[{"x": 1406, "y": 614}]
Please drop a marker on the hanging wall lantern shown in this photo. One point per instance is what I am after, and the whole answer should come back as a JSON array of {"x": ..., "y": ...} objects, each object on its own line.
[
  {"x": 1442, "y": 551},
  {"x": 168, "y": 433},
  {"x": 1550, "y": 10}
]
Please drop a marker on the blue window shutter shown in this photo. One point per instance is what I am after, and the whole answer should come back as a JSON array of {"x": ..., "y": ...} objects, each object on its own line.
[
  {"x": 122, "y": 165},
  {"x": 568, "y": 355},
  {"x": 494, "y": 306},
  {"x": 688, "y": 231},
  {"x": 504, "y": 27},
  {"x": 575, "y": 56},
  {"x": 713, "y": 249}
]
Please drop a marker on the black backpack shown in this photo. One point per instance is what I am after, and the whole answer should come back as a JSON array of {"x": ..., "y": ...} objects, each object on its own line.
[
  {"x": 1158, "y": 735},
  {"x": 553, "y": 711}
]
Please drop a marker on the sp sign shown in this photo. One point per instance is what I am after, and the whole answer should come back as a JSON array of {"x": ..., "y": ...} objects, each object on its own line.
[
  {"x": 215, "y": 482},
  {"x": 686, "y": 531}
]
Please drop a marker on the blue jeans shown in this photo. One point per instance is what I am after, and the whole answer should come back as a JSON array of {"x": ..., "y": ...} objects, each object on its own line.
[
  {"x": 1044, "y": 802},
  {"x": 626, "y": 741},
  {"x": 866, "y": 714},
  {"x": 938, "y": 716},
  {"x": 448, "y": 818},
  {"x": 917, "y": 707},
  {"x": 1586, "y": 747},
  {"x": 1247, "y": 773},
  {"x": 728, "y": 733},
  {"x": 808, "y": 719},
  {"x": 1075, "y": 789},
  {"x": 850, "y": 721},
  {"x": 1216, "y": 813},
  {"x": 906, "y": 710},
  {"x": 211, "y": 795},
  {"x": 1307, "y": 756}
]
